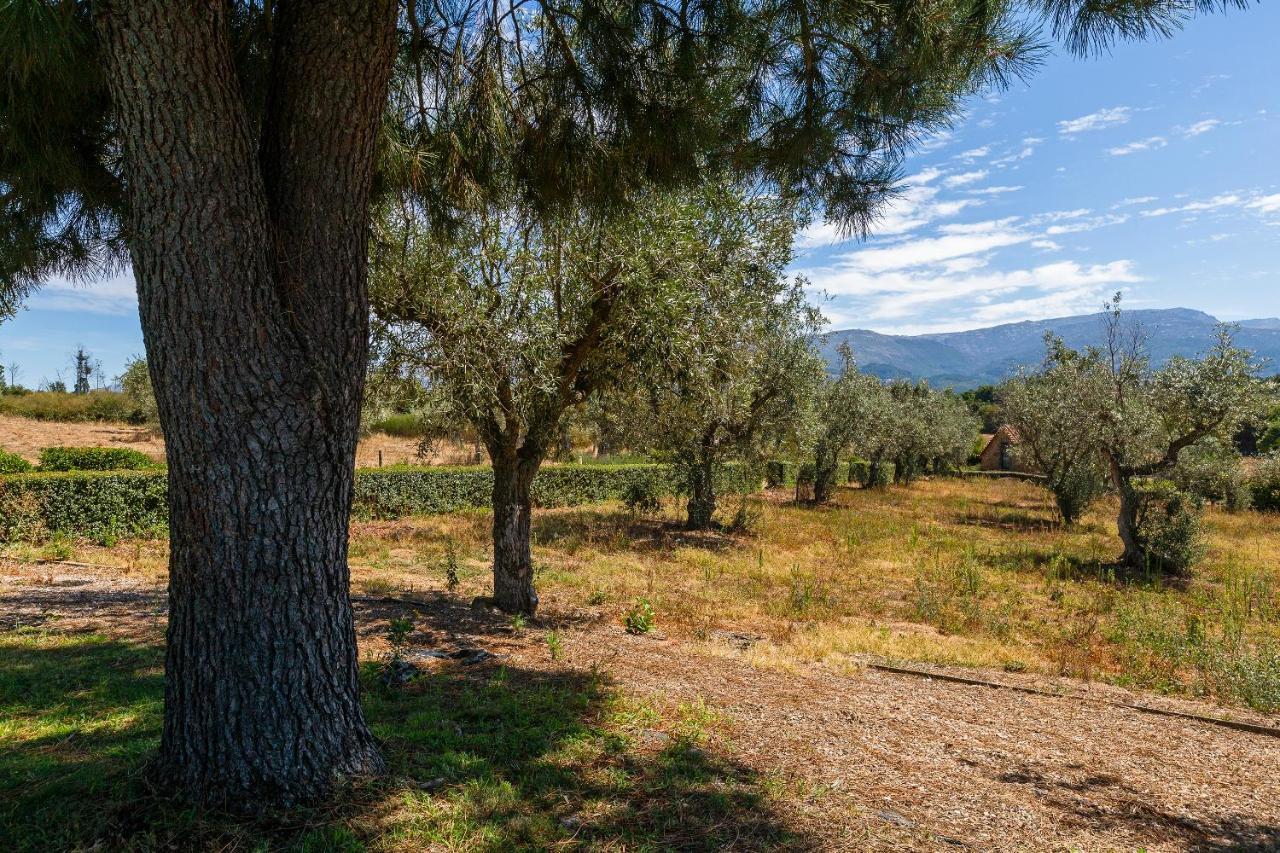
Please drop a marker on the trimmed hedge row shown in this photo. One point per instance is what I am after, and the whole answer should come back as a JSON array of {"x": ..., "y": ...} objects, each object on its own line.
[
  {"x": 99, "y": 504},
  {"x": 96, "y": 504},
  {"x": 94, "y": 459},
  {"x": 12, "y": 463}
]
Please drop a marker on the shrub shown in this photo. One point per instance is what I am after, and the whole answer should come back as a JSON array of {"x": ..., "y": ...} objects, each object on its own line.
[
  {"x": 779, "y": 473},
  {"x": 60, "y": 406},
  {"x": 1168, "y": 527},
  {"x": 859, "y": 472},
  {"x": 640, "y": 619},
  {"x": 93, "y": 459},
  {"x": 135, "y": 384},
  {"x": 12, "y": 463},
  {"x": 1214, "y": 473},
  {"x": 93, "y": 504},
  {"x": 880, "y": 476},
  {"x": 1075, "y": 491},
  {"x": 407, "y": 425},
  {"x": 120, "y": 503},
  {"x": 642, "y": 496},
  {"x": 806, "y": 476},
  {"x": 1264, "y": 485}
]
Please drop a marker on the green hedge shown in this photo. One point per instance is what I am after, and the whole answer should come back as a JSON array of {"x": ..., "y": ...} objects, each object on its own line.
[
  {"x": 93, "y": 504},
  {"x": 96, "y": 504},
  {"x": 12, "y": 463},
  {"x": 780, "y": 472},
  {"x": 94, "y": 459}
]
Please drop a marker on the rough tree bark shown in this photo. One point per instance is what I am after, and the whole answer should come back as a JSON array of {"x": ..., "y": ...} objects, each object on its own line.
[
  {"x": 1127, "y": 518},
  {"x": 825, "y": 463},
  {"x": 513, "y": 590},
  {"x": 249, "y": 252},
  {"x": 701, "y": 507}
]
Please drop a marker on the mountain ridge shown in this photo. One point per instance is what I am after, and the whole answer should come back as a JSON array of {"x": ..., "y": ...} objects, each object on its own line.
[{"x": 963, "y": 360}]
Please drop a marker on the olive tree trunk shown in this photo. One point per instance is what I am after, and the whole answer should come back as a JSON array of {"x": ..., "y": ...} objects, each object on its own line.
[
  {"x": 513, "y": 589},
  {"x": 1127, "y": 517},
  {"x": 701, "y": 507},
  {"x": 249, "y": 254},
  {"x": 825, "y": 463}
]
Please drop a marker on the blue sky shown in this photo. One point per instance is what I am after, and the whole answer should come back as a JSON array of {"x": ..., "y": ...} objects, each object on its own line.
[{"x": 1154, "y": 170}]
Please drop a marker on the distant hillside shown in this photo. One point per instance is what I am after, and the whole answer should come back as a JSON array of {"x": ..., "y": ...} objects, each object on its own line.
[{"x": 967, "y": 359}]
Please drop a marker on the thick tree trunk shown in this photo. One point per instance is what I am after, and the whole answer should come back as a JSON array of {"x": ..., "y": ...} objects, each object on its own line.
[
  {"x": 824, "y": 474},
  {"x": 513, "y": 590},
  {"x": 873, "y": 472},
  {"x": 1127, "y": 519},
  {"x": 701, "y": 507},
  {"x": 249, "y": 257}
]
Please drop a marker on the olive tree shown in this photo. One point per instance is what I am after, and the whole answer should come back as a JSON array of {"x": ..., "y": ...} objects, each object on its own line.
[
  {"x": 1142, "y": 417},
  {"x": 745, "y": 382},
  {"x": 519, "y": 317},
  {"x": 1045, "y": 408}
]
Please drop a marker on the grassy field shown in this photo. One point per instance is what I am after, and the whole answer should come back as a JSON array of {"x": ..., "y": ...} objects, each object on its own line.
[
  {"x": 950, "y": 571},
  {"x": 962, "y": 572}
]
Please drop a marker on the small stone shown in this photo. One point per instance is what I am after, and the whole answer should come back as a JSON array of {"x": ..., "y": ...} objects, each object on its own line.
[
  {"x": 653, "y": 737},
  {"x": 894, "y": 818},
  {"x": 468, "y": 657},
  {"x": 399, "y": 672}
]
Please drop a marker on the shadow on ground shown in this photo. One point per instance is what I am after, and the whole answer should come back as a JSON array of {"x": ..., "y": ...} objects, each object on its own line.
[
  {"x": 486, "y": 758},
  {"x": 1105, "y": 802}
]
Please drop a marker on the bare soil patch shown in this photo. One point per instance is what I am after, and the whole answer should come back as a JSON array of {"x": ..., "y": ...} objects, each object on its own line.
[{"x": 27, "y": 437}]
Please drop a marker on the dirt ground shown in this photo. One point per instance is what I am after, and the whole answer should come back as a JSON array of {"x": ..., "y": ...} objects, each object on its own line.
[
  {"x": 27, "y": 437},
  {"x": 869, "y": 760}
]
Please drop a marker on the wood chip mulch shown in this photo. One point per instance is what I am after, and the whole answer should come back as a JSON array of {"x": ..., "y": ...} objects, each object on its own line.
[{"x": 873, "y": 760}]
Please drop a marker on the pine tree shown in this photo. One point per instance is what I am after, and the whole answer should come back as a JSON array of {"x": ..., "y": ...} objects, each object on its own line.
[
  {"x": 84, "y": 370},
  {"x": 227, "y": 153}
]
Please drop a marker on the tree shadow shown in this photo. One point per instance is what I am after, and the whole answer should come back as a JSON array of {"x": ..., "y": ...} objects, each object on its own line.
[
  {"x": 619, "y": 531},
  {"x": 481, "y": 758},
  {"x": 1117, "y": 808}
]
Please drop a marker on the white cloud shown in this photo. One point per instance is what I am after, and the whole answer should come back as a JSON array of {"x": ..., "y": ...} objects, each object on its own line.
[
  {"x": 1090, "y": 224},
  {"x": 915, "y": 207},
  {"x": 1199, "y": 127},
  {"x": 1266, "y": 204},
  {"x": 1046, "y": 245},
  {"x": 1141, "y": 199},
  {"x": 964, "y": 178},
  {"x": 1028, "y": 148},
  {"x": 1219, "y": 201},
  {"x": 115, "y": 295},
  {"x": 1095, "y": 121},
  {"x": 972, "y": 300},
  {"x": 974, "y": 153},
  {"x": 955, "y": 242},
  {"x": 1000, "y": 190},
  {"x": 1059, "y": 215},
  {"x": 1148, "y": 144}
]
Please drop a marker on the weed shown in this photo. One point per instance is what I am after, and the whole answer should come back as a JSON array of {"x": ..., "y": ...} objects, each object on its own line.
[
  {"x": 451, "y": 564},
  {"x": 398, "y": 631},
  {"x": 59, "y": 548},
  {"x": 518, "y": 622},
  {"x": 555, "y": 646},
  {"x": 641, "y": 618}
]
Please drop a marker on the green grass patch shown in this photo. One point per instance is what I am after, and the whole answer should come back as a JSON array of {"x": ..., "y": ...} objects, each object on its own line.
[{"x": 495, "y": 760}]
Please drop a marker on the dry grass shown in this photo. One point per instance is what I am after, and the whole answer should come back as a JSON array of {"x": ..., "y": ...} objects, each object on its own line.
[
  {"x": 745, "y": 720},
  {"x": 972, "y": 573},
  {"x": 958, "y": 572}
]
